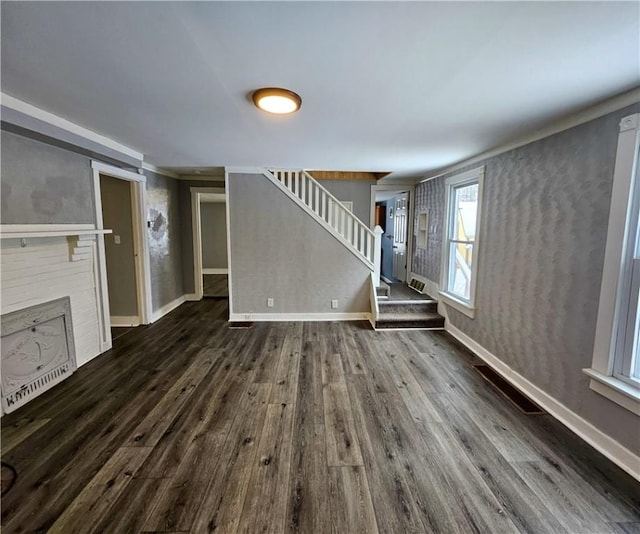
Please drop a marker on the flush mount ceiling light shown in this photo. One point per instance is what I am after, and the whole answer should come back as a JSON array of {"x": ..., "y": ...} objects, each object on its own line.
[{"x": 276, "y": 100}]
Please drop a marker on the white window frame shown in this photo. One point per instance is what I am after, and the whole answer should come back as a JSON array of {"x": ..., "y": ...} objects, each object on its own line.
[
  {"x": 466, "y": 178},
  {"x": 610, "y": 368}
]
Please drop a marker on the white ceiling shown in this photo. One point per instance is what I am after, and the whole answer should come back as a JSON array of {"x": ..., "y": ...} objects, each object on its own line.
[{"x": 386, "y": 86}]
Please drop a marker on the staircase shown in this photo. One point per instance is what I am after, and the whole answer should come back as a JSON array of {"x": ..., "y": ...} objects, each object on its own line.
[
  {"x": 400, "y": 307},
  {"x": 331, "y": 213}
]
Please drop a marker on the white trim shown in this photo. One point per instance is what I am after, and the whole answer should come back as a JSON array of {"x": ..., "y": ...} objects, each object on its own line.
[
  {"x": 196, "y": 231},
  {"x": 300, "y": 317},
  {"x": 472, "y": 175},
  {"x": 191, "y": 297},
  {"x": 243, "y": 170},
  {"x": 456, "y": 304},
  {"x": 615, "y": 390},
  {"x": 117, "y": 172},
  {"x": 158, "y": 170},
  {"x": 598, "y": 110},
  {"x": 59, "y": 233},
  {"x": 373, "y": 298},
  {"x": 616, "y": 275},
  {"x": 229, "y": 273},
  {"x": 168, "y": 308},
  {"x": 28, "y": 228},
  {"x": 141, "y": 243},
  {"x": 206, "y": 270},
  {"x": 124, "y": 320},
  {"x": 400, "y": 188},
  {"x": 613, "y": 450},
  {"x": 55, "y": 120}
]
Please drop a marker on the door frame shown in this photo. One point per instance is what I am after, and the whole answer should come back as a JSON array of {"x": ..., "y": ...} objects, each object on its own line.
[
  {"x": 140, "y": 246},
  {"x": 400, "y": 188},
  {"x": 213, "y": 194}
]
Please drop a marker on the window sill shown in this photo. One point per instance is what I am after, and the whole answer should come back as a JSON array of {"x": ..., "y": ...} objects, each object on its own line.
[
  {"x": 615, "y": 390},
  {"x": 459, "y": 305}
]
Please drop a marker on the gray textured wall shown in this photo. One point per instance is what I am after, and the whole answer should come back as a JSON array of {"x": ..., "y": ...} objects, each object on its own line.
[
  {"x": 44, "y": 184},
  {"x": 278, "y": 251},
  {"x": 213, "y": 219},
  {"x": 165, "y": 239},
  {"x": 543, "y": 233},
  {"x": 186, "y": 232},
  {"x": 357, "y": 191},
  {"x": 121, "y": 269}
]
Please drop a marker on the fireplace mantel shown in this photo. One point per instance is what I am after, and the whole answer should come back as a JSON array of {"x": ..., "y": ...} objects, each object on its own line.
[{"x": 25, "y": 231}]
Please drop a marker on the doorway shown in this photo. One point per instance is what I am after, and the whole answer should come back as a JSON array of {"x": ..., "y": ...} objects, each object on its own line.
[
  {"x": 213, "y": 231},
  {"x": 124, "y": 206},
  {"x": 391, "y": 210},
  {"x": 210, "y": 248},
  {"x": 120, "y": 252}
]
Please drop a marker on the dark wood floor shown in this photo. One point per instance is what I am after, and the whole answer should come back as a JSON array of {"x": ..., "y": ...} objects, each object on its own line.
[
  {"x": 189, "y": 426},
  {"x": 215, "y": 285}
]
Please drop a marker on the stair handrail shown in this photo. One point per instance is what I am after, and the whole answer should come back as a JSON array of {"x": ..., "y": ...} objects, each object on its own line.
[{"x": 345, "y": 225}]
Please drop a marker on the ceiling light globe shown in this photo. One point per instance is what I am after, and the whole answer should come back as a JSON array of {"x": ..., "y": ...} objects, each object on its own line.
[{"x": 277, "y": 100}]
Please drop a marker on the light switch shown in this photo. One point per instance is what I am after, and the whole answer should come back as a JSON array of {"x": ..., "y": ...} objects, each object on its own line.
[{"x": 116, "y": 239}]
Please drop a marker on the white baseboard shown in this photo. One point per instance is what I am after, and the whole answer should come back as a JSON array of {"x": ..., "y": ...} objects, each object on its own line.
[
  {"x": 275, "y": 317},
  {"x": 215, "y": 271},
  {"x": 613, "y": 450},
  {"x": 190, "y": 297},
  {"x": 118, "y": 321},
  {"x": 157, "y": 314}
]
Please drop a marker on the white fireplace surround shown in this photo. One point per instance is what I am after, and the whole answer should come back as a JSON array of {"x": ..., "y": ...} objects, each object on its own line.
[{"x": 43, "y": 263}]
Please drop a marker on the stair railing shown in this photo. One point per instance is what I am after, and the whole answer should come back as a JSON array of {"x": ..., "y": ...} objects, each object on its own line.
[{"x": 329, "y": 209}]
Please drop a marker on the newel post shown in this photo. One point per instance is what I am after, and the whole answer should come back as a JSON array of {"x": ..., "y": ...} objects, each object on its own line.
[{"x": 377, "y": 249}]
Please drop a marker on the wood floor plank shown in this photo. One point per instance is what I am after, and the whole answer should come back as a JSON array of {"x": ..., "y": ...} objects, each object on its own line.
[
  {"x": 308, "y": 503},
  {"x": 587, "y": 519},
  {"x": 343, "y": 448},
  {"x": 285, "y": 388},
  {"x": 265, "y": 505},
  {"x": 149, "y": 432},
  {"x": 222, "y": 501},
  {"x": 351, "y": 505},
  {"x": 414, "y": 397},
  {"x": 130, "y": 511},
  {"x": 103, "y": 490},
  {"x": 332, "y": 371},
  {"x": 177, "y": 504},
  {"x": 15, "y": 434},
  {"x": 525, "y": 508}
]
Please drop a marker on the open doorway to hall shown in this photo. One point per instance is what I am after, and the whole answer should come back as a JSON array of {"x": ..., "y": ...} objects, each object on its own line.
[
  {"x": 210, "y": 247},
  {"x": 120, "y": 253},
  {"x": 392, "y": 215}
]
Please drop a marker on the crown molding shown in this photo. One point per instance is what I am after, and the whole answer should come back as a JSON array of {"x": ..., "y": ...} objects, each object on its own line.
[
  {"x": 11, "y": 103},
  {"x": 158, "y": 170},
  {"x": 588, "y": 114}
]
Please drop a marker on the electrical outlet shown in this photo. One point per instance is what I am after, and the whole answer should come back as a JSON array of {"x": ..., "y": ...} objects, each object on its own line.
[
  {"x": 116, "y": 239},
  {"x": 334, "y": 304},
  {"x": 269, "y": 302}
]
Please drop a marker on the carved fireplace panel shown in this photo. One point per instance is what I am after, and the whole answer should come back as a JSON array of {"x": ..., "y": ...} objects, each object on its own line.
[{"x": 37, "y": 351}]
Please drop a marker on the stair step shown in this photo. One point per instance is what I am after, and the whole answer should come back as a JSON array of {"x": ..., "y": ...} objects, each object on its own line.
[
  {"x": 383, "y": 290},
  {"x": 430, "y": 320},
  {"x": 401, "y": 307}
]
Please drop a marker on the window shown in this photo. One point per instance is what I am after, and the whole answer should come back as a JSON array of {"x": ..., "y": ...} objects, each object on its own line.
[
  {"x": 422, "y": 233},
  {"x": 615, "y": 370},
  {"x": 460, "y": 254}
]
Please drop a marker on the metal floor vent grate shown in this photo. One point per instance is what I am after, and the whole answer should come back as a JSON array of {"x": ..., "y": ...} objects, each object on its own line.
[
  {"x": 512, "y": 394},
  {"x": 417, "y": 285},
  {"x": 237, "y": 325}
]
